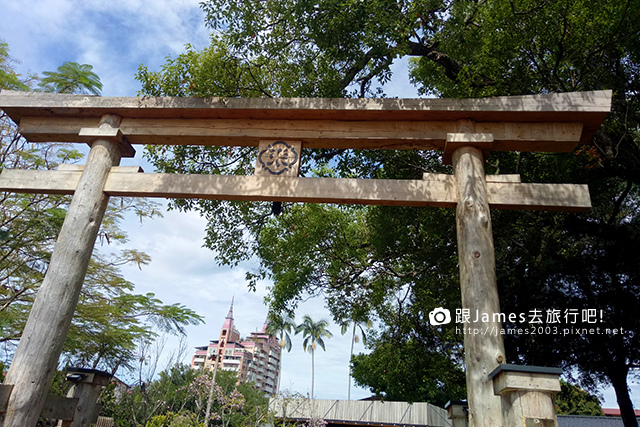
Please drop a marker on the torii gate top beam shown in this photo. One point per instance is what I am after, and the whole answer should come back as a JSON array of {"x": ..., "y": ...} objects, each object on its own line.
[{"x": 550, "y": 122}]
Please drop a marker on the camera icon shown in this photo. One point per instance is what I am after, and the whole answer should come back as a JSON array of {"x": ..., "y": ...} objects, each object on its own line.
[{"x": 439, "y": 316}]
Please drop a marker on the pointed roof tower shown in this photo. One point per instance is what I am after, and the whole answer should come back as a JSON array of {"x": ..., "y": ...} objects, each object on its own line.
[
  {"x": 228, "y": 321},
  {"x": 266, "y": 324},
  {"x": 230, "y": 314}
]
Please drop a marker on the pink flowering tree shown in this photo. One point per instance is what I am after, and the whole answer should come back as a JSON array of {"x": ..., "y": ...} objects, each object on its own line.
[
  {"x": 229, "y": 404},
  {"x": 226, "y": 404}
]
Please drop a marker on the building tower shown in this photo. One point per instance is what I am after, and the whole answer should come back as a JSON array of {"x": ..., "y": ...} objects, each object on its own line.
[{"x": 255, "y": 359}]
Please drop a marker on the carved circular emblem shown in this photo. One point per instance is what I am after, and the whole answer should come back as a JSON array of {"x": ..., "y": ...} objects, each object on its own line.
[{"x": 278, "y": 157}]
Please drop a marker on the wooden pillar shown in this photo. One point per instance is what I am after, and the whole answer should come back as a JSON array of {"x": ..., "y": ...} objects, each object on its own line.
[
  {"x": 457, "y": 412},
  {"x": 36, "y": 357},
  {"x": 527, "y": 394},
  {"x": 88, "y": 384},
  {"x": 483, "y": 343}
]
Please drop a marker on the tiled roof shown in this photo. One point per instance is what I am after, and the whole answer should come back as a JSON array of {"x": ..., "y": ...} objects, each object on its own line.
[{"x": 615, "y": 412}]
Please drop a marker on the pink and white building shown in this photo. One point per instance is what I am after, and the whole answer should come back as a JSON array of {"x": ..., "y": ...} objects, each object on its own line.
[{"x": 255, "y": 359}]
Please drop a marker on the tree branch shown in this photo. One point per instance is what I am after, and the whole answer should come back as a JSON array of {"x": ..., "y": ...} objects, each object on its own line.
[
  {"x": 617, "y": 204},
  {"x": 451, "y": 67}
]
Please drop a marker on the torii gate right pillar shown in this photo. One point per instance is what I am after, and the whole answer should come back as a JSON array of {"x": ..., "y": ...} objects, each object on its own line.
[{"x": 483, "y": 343}]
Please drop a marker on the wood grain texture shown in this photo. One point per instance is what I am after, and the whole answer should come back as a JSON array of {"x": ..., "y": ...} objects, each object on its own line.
[
  {"x": 400, "y": 134},
  {"x": 87, "y": 394},
  {"x": 550, "y": 122},
  {"x": 511, "y": 119},
  {"x": 484, "y": 347},
  {"x": 522, "y": 405},
  {"x": 435, "y": 190},
  {"x": 36, "y": 358},
  {"x": 511, "y": 381},
  {"x": 562, "y": 106}
]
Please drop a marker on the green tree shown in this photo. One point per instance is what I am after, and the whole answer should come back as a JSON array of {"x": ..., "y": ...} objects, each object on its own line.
[
  {"x": 459, "y": 49},
  {"x": 110, "y": 319},
  {"x": 401, "y": 370},
  {"x": 9, "y": 79},
  {"x": 313, "y": 333},
  {"x": 180, "y": 394},
  {"x": 282, "y": 326},
  {"x": 174, "y": 420},
  {"x": 395, "y": 272},
  {"x": 572, "y": 400},
  {"x": 366, "y": 324},
  {"x": 71, "y": 77},
  {"x": 168, "y": 393}
]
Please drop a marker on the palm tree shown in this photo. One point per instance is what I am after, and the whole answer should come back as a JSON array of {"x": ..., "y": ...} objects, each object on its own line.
[
  {"x": 313, "y": 333},
  {"x": 281, "y": 326},
  {"x": 71, "y": 77},
  {"x": 354, "y": 339}
]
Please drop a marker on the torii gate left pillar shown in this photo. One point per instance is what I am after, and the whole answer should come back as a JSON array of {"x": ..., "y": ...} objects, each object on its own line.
[{"x": 36, "y": 358}]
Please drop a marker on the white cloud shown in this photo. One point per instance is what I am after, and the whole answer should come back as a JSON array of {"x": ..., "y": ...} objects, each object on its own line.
[{"x": 115, "y": 37}]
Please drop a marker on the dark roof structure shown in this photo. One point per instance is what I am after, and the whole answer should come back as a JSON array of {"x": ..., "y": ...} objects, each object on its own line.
[{"x": 588, "y": 421}]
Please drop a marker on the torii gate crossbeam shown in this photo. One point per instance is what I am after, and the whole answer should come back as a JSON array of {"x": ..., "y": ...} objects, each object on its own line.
[{"x": 465, "y": 129}]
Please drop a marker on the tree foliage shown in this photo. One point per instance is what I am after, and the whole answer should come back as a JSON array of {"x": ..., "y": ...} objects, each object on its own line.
[
  {"x": 366, "y": 258},
  {"x": 110, "y": 319},
  {"x": 281, "y": 326},
  {"x": 572, "y": 400},
  {"x": 313, "y": 333},
  {"x": 178, "y": 396},
  {"x": 71, "y": 77},
  {"x": 363, "y": 326},
  {"x": 9, "y": 79},
  {"x": 401, "y": 370}
]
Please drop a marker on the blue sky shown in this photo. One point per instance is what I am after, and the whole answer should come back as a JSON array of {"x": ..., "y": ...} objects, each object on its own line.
[{"x": 115, "y": 37}]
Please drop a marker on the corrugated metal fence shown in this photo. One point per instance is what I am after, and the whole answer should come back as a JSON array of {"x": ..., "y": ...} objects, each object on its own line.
[
  {"x": 104, "y": 422},
  {"x": 359, "y": 412}
]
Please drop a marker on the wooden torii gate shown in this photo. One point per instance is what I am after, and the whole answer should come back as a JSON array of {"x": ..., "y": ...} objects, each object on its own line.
[{"x": 466, "y": 130}]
